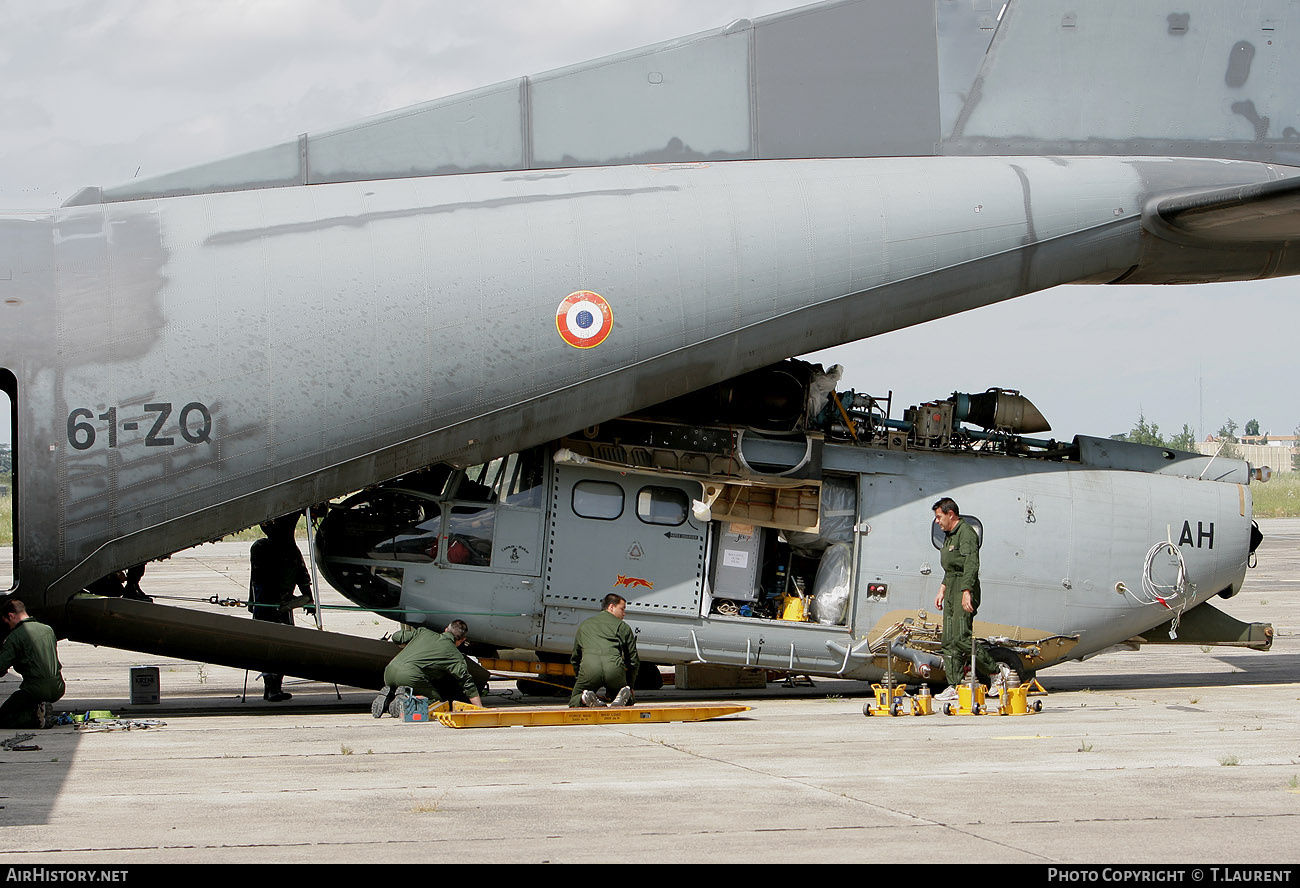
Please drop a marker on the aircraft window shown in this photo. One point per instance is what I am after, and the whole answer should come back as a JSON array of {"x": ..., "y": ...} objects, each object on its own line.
[
  {"x": 937, "y": 535},
  {"x": 662, "y": 505},
  {"x": 478, "y": 484},
  {"x": 415, "y": 542},
  {"x": 469, "y": 535},
  {"x": 602, "y": 500},
  {"x": 524, "y": 478}
]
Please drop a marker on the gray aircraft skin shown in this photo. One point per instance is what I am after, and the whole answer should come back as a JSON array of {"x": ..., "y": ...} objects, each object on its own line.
[{"x": 192, "y": 353}]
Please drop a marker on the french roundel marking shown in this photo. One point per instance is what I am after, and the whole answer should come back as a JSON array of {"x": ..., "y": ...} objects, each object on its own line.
[{"x": 584, "y": 319}]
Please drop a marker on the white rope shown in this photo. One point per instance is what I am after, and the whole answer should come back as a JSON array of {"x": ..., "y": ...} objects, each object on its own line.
[{"x": 1176, "y": 596}]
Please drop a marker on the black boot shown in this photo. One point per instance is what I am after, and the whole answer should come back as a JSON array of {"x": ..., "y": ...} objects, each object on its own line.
[{"x": 274, "y": 693}]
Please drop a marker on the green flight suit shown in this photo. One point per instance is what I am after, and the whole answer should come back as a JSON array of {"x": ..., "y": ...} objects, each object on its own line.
[
  {"x": 431, "y": 665},
  {"x": 960, "y": 559},
  {"x": 604, "y": 655},
  {"x": 30, "y": 649}
]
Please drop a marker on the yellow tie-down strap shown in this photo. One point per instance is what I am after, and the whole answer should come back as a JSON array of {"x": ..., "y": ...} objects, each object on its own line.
[{"x": 466, "y": 715}]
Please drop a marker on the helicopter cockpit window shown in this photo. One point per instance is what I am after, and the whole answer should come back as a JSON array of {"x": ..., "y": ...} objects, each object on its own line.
[
  {"x": 937, "y": 535},
  {"x": 602, "y": 500},
  {"x": 523, "y": 479},
  {"x": 469, "y": 535},
  {"x": 479, "y": 483},
  {"x": 662, "y": 505}
]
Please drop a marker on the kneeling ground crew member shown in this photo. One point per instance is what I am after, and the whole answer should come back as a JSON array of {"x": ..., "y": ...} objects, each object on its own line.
[
  {"x": 30, "y": 648},
  {"x": 604, "y": 655},
  {"x": 431, "y": 666}
]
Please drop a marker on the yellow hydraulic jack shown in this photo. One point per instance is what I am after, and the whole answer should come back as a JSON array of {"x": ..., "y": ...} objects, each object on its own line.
[
  {"x": 892, "y": 698},
  {"x": 896, "y": 701},
  {"x": 1013, "y": 699},
  {"x": 972, "y": 699}
]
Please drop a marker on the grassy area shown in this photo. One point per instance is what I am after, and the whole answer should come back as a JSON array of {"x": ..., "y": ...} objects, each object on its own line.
[{"x": 1279, "y": 498}]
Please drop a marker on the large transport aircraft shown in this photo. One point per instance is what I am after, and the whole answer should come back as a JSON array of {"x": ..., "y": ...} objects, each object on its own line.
[{"x": 432, "y": 305}]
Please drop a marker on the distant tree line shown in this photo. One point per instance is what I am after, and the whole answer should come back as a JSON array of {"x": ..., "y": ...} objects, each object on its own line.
[{"x": 1149, "y": 433}]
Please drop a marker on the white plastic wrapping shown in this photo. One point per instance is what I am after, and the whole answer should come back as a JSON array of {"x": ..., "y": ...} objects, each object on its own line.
[
  {"x": 839, "y": 506},
  {"x": 821, "y": 386},
  {"x": 831, "y": 588}
]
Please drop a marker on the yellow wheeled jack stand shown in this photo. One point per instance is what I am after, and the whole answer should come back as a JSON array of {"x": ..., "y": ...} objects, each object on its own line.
[
  {"x": 1015, "y": 701},
  {"x": 974, "y": 701},
  {"x": 896, "y": 701},
  {"x": 892, "y": 698},
  {"x": 970, "y": 700}
]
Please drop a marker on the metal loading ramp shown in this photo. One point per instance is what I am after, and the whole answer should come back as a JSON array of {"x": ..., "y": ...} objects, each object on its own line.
[{"x": 466, "y": 715}]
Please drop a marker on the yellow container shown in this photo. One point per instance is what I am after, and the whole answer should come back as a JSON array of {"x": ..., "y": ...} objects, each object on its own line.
[{"x": 792, "y": 608}]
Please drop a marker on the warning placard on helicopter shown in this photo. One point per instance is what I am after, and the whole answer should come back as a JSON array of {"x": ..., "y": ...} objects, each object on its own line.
[{"x": 735, "y": 558}]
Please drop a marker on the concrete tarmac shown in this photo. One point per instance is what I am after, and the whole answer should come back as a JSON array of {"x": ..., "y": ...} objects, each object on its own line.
[{"x": 1170, "y": 754}]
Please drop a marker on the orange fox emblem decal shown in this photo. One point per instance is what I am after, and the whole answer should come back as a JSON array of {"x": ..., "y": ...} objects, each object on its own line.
[{"x": 633, "y": 582}]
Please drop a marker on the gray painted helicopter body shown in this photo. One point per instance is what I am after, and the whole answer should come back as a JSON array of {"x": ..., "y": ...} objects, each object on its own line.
[{"x": 807, "y": 551}]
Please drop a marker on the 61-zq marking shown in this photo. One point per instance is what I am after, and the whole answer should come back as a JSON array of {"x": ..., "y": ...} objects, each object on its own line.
[{"x": 194, "y": 421}]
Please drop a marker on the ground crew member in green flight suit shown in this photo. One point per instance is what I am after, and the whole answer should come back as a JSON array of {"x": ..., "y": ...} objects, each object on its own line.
[
  {"x": 604, "y": 655},
  {"x": 276, "y": 568},
  {"x": 959, "y": 596},
  {"x": 30, "y": 648},
  {"x": 431, "y": 666}
]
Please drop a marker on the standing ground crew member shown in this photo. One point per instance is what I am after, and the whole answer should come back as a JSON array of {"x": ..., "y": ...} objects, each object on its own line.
[
  {"x": 277, "y": 569},
  {"x": 959, "y": 596},
  {"x": 30, "y": 647},
  {"x": 431, "y": 666},
  {"x": 604, "y": 655}
]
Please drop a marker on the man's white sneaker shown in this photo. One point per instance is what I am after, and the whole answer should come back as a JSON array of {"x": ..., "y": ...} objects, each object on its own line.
[{"x": 948, "y": 695}]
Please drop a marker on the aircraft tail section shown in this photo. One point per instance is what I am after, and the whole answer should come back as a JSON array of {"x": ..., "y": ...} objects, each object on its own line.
[
  {"x": 848, "y": 78},
  {"x": 1116, "y": 77}
]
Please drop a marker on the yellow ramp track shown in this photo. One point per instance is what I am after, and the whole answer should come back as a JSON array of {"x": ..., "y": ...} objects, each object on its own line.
[
  {"x": 533, "y": 666},
  {"x": 463, "y": 715}
]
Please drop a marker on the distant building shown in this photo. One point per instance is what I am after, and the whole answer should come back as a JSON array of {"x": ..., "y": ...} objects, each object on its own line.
[{"x": 1274, "y": 451}]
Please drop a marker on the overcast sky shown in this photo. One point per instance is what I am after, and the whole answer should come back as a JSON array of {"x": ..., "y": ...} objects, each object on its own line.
[{"x": 91, "y": 93}]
